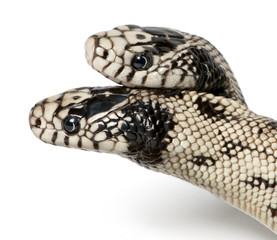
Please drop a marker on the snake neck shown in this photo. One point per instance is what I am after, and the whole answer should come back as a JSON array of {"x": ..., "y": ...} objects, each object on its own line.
[
  {"x": 203, "y": 69},
  {"x": 229, "y": 151}
]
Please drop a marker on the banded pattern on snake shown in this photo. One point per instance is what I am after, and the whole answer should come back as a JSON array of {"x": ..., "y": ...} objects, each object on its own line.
[{"x": 178, "y": 126}]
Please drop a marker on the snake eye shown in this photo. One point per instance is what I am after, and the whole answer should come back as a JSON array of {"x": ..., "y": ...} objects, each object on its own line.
[
  {"x": 142, "y": 61},
  {"x": 71, "y": 124}
]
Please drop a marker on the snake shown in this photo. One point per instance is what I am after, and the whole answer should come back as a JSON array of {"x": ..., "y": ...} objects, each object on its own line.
[{"x": 177, "y": 125}]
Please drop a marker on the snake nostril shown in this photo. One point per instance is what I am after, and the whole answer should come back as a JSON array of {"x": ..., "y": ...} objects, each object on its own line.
[{"x": 38, "y": 122}]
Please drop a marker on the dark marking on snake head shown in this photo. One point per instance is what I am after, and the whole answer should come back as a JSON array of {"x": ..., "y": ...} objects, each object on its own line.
[
  {"x": 102, "y": 103},
  {"x": 119, "y": 71},
  {"x": 96, "y": 145},
  {"x": 132, "y": 26},
  {"x": 130, "y": 76},
  {"x": 66, "y": 140},
  {"x": 76, "y": 97},
  {"x": 174, "y": 65},
  {"x": 152, "y": 50},
  {"x": 80, "y": 112},
  {"x": 80, "y": 143},
  {"x": 54, "y": 137},
  {"x": 101, "y": 127},
  {"x": 163, "y": 32},
  {"x": 144, "y": 79},
  {"x": 140, "y": 36},
  {"x": 105, "y": 54},
  {"x": 164, "y": 45}
]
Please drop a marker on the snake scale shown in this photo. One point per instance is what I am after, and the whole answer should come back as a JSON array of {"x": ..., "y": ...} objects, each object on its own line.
[{"x": 180, "y": 111}]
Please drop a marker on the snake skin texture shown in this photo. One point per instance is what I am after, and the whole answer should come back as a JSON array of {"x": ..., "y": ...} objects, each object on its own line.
[
  {"x": 154, "y": 57},
  {"x": 211, "y": 141},
  {"x": 180, "y": 112}
]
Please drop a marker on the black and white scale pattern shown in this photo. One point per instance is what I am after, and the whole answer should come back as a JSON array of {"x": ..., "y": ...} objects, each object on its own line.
[
  {"x": 211, "y": 141},
  {"x": 155, "y": 57},
  {"x": 185, "y": 116}
]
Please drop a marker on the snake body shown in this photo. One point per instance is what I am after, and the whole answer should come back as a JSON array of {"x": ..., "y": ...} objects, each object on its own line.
[{"x": 185, "y": 128}]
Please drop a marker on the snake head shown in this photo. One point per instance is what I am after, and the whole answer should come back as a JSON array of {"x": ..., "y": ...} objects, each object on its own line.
[
  {"x": 113, "y": 119},
  {"x": 155, "y": 57},
  {"x": 51, "y": 121},
  {"x": 134, "y": 56}
]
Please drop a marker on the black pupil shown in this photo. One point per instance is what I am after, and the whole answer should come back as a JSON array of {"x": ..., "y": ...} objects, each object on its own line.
[
  {"x": 72, "y": 124},
  {"x": 142, "y": 61},
  {"x": 139, "y": 62}
]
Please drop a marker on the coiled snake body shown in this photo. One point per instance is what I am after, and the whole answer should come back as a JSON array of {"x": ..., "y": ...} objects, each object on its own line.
[{"x": 184, "y": 116}]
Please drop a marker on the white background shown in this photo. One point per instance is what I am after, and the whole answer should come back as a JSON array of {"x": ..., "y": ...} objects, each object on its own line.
[{"x": 49, "y": 192}]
